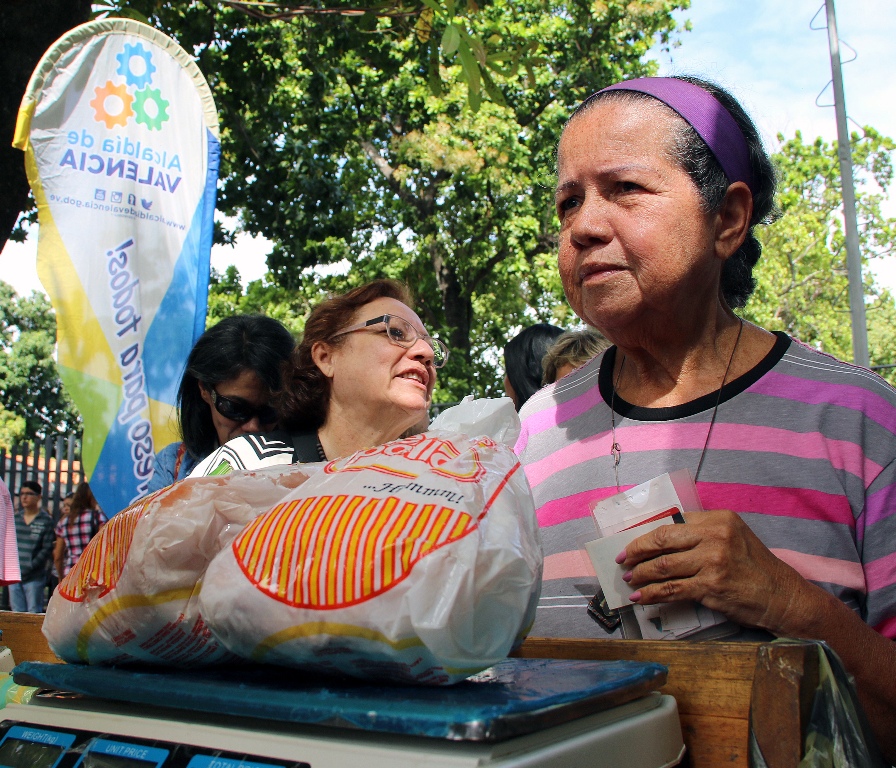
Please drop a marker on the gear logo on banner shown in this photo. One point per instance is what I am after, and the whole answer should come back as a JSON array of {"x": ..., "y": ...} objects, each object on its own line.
[
  {"x": 114, "y": 105},
  {"x": 129, "y": 53}
]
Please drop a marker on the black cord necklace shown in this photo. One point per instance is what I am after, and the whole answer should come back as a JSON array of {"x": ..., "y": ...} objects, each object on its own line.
[
  {"x": 616, "y": 451},
  {"x": 320, "y": 449}
]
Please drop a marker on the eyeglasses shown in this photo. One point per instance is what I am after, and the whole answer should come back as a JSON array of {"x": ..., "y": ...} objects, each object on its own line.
[
  {"x": 399, "y": 331},
  {"x": 241, "y": 411},
  {"x": 27, "y": 493}
]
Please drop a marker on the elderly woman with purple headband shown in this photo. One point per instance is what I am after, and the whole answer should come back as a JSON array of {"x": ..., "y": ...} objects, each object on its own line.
[{"x": 661, "y": 182}]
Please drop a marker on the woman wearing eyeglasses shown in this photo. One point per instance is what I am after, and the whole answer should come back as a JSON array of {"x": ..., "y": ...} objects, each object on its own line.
[
  {"x": 362, "y": 375},
  {"x": 225, "y": 391}
]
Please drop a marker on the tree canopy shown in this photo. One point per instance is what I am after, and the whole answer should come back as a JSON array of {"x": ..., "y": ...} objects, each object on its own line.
[
  {"x": 342, "y": 148},
  {"x": 411, "y": 138},
  {"x": 32, "y": 401},
  {"x": 803, "y": 286},
  {"x": 27, "y": 29},
  {"x": 415, "y": 139}
]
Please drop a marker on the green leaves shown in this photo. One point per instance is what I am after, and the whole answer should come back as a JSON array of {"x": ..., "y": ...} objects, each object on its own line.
[
  {"x": 413, "y": 142},
  {"x": 450, "y": 39},
  {"x": 29, "y": 381},
  {"x": 477, "y": 45},
  {"x": 802, "y": 286},
  {"x": 471, "y": 73},
  {"x": 116, "y": 8}
]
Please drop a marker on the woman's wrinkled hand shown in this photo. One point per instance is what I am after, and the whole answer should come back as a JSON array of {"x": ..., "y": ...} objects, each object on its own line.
[{"x": 715, "y": 559}]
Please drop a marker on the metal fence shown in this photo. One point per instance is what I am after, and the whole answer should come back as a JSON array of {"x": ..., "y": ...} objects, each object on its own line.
[{"x": 54, "y": 462}]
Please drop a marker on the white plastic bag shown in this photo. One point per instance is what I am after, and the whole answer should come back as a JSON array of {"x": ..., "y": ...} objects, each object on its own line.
[
  {"x": 133, "y": 594},
  {"x": 417, "y": 561},
  {"x": 495, "y": 417}
]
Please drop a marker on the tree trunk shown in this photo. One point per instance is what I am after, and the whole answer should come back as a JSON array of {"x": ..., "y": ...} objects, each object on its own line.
[
  {"x": 27, "y": 29},
  {"x": 457, "y": 305}
]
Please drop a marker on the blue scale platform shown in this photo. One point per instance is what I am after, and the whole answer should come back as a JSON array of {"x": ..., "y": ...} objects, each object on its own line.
[{"x": 515, "y": 697}]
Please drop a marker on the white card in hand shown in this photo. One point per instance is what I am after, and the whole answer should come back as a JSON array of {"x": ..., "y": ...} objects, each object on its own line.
[{"x": 603, "y": 557}]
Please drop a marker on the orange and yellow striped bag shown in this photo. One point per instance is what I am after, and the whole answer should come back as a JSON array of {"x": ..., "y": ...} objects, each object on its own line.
[
  {"x": 418, "y": 561},
  {"x": 133, "y": 595}
]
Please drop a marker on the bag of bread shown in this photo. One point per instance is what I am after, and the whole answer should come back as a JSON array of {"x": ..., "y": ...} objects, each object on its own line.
[
  {"x": 133, "y": 594},
  {"x": 415, "y": 561}
]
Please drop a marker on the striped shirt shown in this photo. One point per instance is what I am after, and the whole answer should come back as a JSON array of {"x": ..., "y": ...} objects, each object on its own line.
[
  {"x": 802, "y": 448},
  {"x": 9, "y": 551},
  {"x": 78, "y": 534},
  {"x": 35, "y": 544}
]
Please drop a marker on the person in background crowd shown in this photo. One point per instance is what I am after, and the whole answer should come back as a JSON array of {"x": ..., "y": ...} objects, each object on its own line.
[
  {"x": 9, "y": 551},
  {"x": 231, "y": 372},
  {"x": 53, "y": 578},
  {"x": 34, "y": 535},
  {"x": 571, "y": 350},
  {"x": 75, "y": 530},
  {"x": 661, "y": 183},
  {"x": 363, "y": 375},
  {"x": 522, "y": 361}
]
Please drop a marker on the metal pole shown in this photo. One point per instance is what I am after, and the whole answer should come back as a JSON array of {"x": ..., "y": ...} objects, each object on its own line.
[{"x": 853, "y": 255}]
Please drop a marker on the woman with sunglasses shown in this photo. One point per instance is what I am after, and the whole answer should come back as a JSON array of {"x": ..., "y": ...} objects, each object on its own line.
[
  {"x": 225, "y": 391},
  {"x": 362, "y": 375}
]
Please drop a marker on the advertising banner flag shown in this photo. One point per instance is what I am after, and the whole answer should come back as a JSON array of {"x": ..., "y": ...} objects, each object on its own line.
[{"x": 120, "y": 136}]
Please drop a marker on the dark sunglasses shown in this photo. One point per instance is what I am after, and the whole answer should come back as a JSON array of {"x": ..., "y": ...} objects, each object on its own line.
[{"x": 241, "y": 411}]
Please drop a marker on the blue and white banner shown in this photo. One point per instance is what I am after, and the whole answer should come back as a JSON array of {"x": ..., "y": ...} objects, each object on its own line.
[{"x": 120, "y": 136}]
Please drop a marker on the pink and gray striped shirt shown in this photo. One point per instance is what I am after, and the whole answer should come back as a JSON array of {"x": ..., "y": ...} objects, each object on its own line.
[{"x": 803, "y": 448}]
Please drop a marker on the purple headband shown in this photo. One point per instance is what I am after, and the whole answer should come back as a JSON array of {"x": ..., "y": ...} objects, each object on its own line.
[{"x": 713, "y": 123}]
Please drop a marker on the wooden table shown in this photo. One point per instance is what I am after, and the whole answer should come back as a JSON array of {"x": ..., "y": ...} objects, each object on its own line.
[
  {"x": 21, "y": 634},
  {"x": 719, "y": 686}
]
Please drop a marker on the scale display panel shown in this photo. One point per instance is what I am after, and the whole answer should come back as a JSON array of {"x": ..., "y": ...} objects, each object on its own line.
[
  {"x": 29, "y": 746},
  {"x": 25, "y": 747},
  {"x": 103, "y": 753}
]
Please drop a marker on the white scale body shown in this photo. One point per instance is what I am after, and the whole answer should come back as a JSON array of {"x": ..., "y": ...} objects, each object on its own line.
[
  {"x": 644, "y": 733},
  {"x": 521, "y": 713}
]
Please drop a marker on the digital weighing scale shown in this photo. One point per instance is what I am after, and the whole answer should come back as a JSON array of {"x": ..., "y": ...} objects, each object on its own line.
[{"x": 521, "y": 713}]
